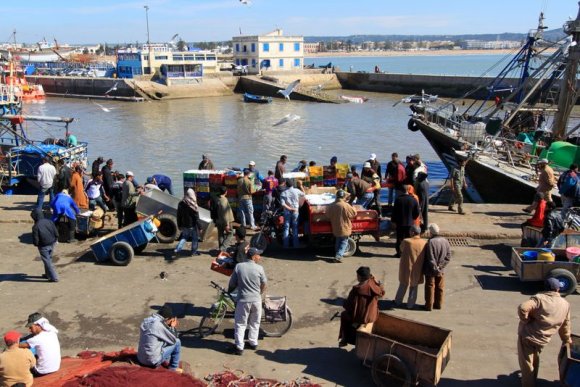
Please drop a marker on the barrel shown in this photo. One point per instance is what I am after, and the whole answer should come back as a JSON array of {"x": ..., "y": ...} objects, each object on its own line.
[
  {"x": 530, "y": 255},
  {"x": 546, "y": 255}
]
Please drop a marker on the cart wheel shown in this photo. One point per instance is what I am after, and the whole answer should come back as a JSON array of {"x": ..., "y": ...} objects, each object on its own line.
[
  {"x": 167, "y": 230},
  {"x": 351, "y": 247},
  {"x": 389, "y": 370},
  {"x": 259, "y": 241},
  {"x": 140, "y": 249},
  {"x": 567, "y": 280},
  {"x": 121, "y": 253}
]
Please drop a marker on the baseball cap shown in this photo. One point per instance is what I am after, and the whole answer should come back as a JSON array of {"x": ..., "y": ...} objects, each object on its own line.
[
  {"x": 252, "y": 251},
  {"x": 252, "y": 163},
  {"x": 129, "y": 173},
  {"x": 367, "y": 165},
  {"x": 340, "y": 194},
  {"x": 166, "y": 312},
  {"x": 33, "y": 318},
  {"x": 373, "y": 156},
  {"x": 12, "y": 337},
  {"x": 553, "y": 283},
  {"x": 150, "y": 179}
]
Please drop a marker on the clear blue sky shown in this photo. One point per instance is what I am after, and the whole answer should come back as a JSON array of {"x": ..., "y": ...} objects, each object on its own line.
[{"x": 88, "y": 21}]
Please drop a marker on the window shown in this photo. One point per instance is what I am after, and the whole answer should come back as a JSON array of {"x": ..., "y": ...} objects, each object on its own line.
[
  {"x": 210, "y": 57},
  {"x": 245, "y": 48},
  {"x": 237, "y": 47},
  {"x": 161, "y": 57},
  {"x": 266, "y": 47},
  {"x": 296, "y": 46},
  {"x": 281, "y": 47},
  {"x": 296, "y": 62},
  {"x": 281, "y": 63},
  {"x": 253, "y": 47},
  {"x": 253, "y": 63}
]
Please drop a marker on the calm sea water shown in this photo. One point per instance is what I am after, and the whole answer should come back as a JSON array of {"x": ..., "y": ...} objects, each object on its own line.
[
  {"x": 468, "y": 65},
  {"x": 169, "y": 137}
]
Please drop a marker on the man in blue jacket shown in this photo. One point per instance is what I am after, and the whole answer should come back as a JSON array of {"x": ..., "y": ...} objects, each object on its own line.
[
  {"x": 64, "y": 209},
  {"x": 158, "y": 342},
  {"x": 44, "y": 236}
]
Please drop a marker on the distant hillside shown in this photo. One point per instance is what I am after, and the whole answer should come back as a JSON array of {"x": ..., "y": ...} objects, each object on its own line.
[{"x": 551, "y": 35}]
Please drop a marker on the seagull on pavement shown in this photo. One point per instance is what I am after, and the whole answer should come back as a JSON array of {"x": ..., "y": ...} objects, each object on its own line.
[{"x": 291, "y": 87}]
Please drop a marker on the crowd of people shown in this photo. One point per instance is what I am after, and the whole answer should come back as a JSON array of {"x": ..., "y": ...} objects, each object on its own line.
[{"x": 421, "y": 260}]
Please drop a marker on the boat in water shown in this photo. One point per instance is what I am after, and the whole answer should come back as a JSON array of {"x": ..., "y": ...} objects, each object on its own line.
[
  {"x": 13, "y": 76},
  {"x": 256, "y": 98},
  {"x": 526, "y": 117},
  {"x": 21, "y": 156},
  {"x": 354, "y": 99}
]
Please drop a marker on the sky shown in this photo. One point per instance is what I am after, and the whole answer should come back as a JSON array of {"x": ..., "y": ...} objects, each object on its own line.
[{"x": 118, "y": 21}]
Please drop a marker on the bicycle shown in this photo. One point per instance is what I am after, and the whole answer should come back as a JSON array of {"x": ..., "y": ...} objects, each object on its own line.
[{"x": 274, "y": 322}]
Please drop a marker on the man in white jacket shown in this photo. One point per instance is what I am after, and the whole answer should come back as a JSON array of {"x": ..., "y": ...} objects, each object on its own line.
[{"x": 45, "y": 177}]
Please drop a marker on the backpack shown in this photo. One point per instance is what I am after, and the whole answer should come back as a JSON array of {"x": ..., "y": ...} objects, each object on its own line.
[{"x": 567, "y": 183}]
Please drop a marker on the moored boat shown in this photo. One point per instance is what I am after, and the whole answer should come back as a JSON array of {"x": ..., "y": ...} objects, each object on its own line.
[{"x": 256, "y": 98}]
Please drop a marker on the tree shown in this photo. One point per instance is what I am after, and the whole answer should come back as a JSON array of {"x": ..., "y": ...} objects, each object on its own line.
[{"x": 181, "y": 45}]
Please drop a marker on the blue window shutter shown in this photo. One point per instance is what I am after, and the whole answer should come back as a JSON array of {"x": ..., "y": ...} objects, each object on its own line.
[
  {"x": 296, "y": 46},
  {"x": 281, "y": 47},
  {"x": 237, "y": 47},
  {"x": 253, "y": 47},
  {"x": 296, "y": 62},
  {"x": 266, "y": 47},
  {"x": 281, "y": 63}
]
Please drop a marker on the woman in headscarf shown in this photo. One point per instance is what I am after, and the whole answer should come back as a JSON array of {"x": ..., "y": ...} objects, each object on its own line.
[
  {"x": 187, "y": 221},
  {"x": 77, "y": 189},
  {"x": 361, "y": 306}
]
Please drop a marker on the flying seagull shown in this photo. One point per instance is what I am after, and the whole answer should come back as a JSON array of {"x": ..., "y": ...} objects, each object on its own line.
[
  {"x": 246, "y": 2},
  {"x": 114, "y": 88},
  {"x": 104, "y": 108},
  {"x": 287, "y": 118},
  {"x": 286, "y": 92}
]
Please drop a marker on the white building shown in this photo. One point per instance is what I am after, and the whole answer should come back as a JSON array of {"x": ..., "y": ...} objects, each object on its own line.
[{"x": 271, "y": 51}]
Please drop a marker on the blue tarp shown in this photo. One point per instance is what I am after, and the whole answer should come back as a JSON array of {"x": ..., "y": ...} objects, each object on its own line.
[{"x": 40, "y": 149}]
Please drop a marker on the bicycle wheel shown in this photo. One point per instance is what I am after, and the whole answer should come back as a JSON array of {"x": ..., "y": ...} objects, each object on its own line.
[
  {"x": 212, "y": 320},
  {"x": 270, "y": 328}
]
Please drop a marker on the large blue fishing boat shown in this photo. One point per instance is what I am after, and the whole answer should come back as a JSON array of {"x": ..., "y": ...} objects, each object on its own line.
[{"x": 21, "y": 156}]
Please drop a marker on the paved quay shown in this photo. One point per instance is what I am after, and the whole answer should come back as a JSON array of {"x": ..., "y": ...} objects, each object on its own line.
[{"x": 99, "y": 306}]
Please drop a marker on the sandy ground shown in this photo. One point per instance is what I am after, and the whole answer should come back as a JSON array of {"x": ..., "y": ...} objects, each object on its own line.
[{"x": 99, "y": 306}]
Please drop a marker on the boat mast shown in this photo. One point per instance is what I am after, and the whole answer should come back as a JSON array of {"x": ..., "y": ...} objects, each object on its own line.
[{"x": 568, "y": 87}]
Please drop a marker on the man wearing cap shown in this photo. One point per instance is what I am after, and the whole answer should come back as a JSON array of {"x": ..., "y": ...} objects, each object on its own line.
[
  {"x": 129, "y": 199},
  {"x": 15, "y": 362},
  {"x": 44, "y": 342},
  {"x": 375, "y": 164},
  {"x": 540, "y": 318},
  {"x": 162, "y": 182},
  {"x": 361, "y": 305},
  {"x": 255, "y": 175},
  {"x": 340, "y": 214},
  {"x": 250, "y": 281},
  {"x": 359, "y": 190},
  {"x": 369, "y": 175},
  {"x": 158, "y": 342},
  {"x": 205, "y": 163},
  {"x": 437, "y": 257},
  {"x": 411, "y": 267},
  {"x": 546, "y": 182},
  {"x": 458, "y": 184}
]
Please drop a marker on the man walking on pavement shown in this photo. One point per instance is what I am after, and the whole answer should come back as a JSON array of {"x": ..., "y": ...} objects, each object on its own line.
[
  {"x": 249, "y": 279},
  {"x": 44, "y": 236},
  {"x": 405, "y": 212},
  {"x": 341, "y": 214},
  {"x": 458, "y": 184},
  {"x": 437, "y": 256},
  {"x": 411, "y": 267},
  {"x": 540, "y": 317}
]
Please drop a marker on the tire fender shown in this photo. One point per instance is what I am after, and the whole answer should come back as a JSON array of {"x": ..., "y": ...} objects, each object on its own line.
[
  {"x": 412, "y": 125},
  {"x": 167, "y": 230}
]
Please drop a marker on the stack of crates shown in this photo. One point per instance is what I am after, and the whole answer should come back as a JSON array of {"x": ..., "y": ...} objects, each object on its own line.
[
  {"x": 231, "y": 183},
  {"x": 316, "y": 176},
  {"x": 329, "y": 176},
  {"x": 341, "y": 171},
  {"x": 203, "y": 182}
]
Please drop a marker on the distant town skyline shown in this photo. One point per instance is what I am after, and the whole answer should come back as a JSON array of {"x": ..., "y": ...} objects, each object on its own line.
[{"x": 115, "y": 21}]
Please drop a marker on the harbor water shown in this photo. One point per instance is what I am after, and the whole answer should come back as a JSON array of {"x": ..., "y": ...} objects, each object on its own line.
[{"x": 170, "y": 137}]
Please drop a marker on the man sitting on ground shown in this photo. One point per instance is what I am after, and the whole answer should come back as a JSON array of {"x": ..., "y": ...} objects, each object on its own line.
[
  {"x": 158, "y": 342},
  {"x": 15, "y": 362},
  {"x": 45, "y": 342}
]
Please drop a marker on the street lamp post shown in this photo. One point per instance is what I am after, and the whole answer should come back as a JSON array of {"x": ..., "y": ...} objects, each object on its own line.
[{"x": 148, "y": 41}]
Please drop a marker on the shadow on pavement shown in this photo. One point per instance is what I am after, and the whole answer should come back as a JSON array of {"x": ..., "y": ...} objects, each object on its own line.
[
  {"x": 509, "y": 284},
  {"x": 21, "y": 277},
  {"x": 512, "y": 379},
  {"x": 333, "y": 364}
]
